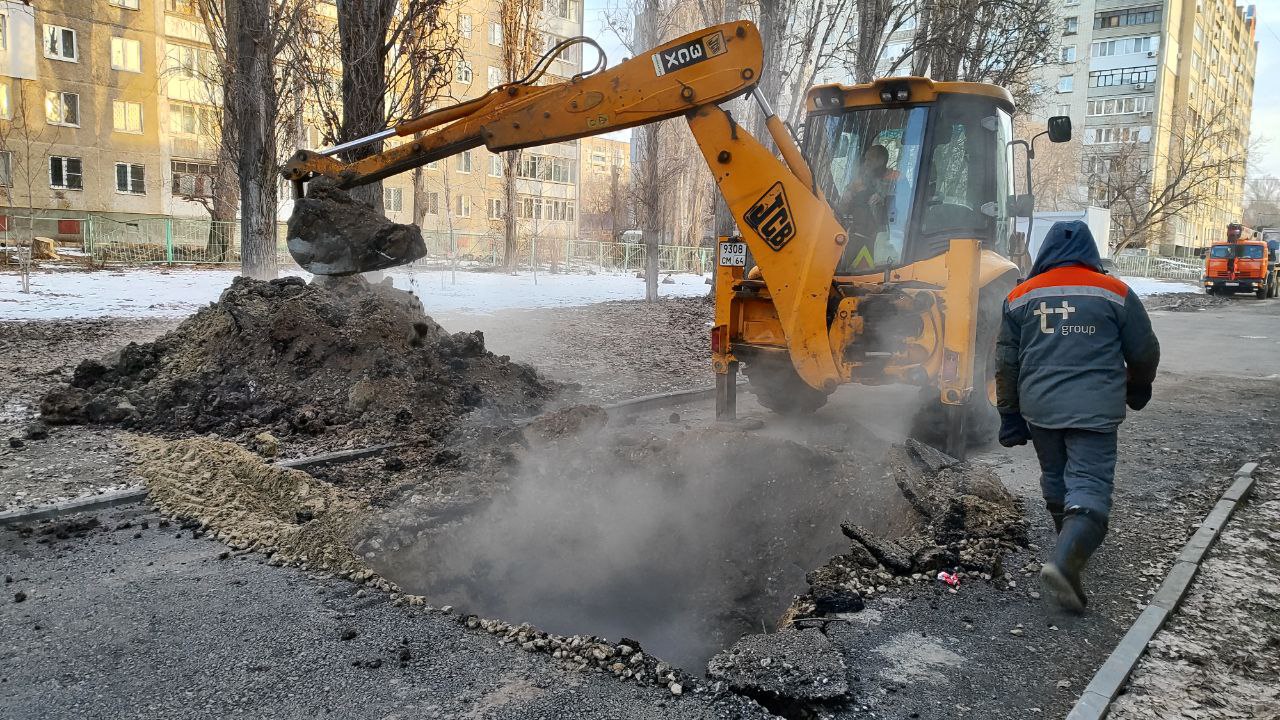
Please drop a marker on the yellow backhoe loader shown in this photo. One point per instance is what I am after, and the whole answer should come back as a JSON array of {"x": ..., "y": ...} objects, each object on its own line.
[{"x": 878, "y": 254}]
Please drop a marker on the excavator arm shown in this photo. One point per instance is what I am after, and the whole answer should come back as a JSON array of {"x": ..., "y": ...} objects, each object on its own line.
[
  {"x": 705, "y": 67},
  {"x": 790, "y": 228}
]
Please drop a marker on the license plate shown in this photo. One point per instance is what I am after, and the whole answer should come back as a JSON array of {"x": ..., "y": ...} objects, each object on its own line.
[
  {"x": 733, "y": 254},
  {"x": 1232, "y": 284}
]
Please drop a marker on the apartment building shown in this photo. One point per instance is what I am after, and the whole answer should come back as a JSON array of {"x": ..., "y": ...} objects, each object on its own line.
[
  {"x": 606, "y": 174},
  {"x": 107, "y": 109},
  {"x": 1135, "y": 73},
  {"x": 462, "y": 199}
]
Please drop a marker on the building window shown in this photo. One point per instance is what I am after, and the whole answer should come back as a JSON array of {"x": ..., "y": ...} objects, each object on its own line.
[
  {"x": 464, "y": 162},
  {"x": 6, "y": 109},
  {"x": 537, "y": 208},
  {"x": 464, "y": 26},
  {"x": 1125, "y": 46},
  {"x": 188, "y": 119},
  {"x": 495, "y": 34},
  {"x": 6, "y": 168},
  {"x": 126, "y": 116},
  {"x": 181, "y": 7},
  {"x": 4, "y": 31},
  {"x": 464, "y": 72},
  {"x": 60, "y": 43},
  {"x": 1065, "y": 83},
  {"x": 126, "y": 4},
  {"x": 431, "y": 203},
  {"x": 1121, "y": 105},
  {"x": 495, "y": 208},
  {"x": 1067, "y": 54},
  {"x": 546, "y": 167},
  {"x": 1122, "y": 76},
  {"x": 62, "y": 108},
  {"x": 462, "y": 208},
  {"x": 1064, "y": 109},
  {"x": 495, "y": 166},
  {"x": 189, "y": 61},
  {"x": 1070, "y": 26},
  {"x": 1129, "y": 16},
  {"x": 131, "y": 179},
  {"x": 566, "y": 9},
  {"x": 126, "y": 54},
  {"x": 495, "y": 77},
  {"x": 64, "y": 173},
  {"x": 192, "y": 179},
  {"x": 393, "y": 199}
]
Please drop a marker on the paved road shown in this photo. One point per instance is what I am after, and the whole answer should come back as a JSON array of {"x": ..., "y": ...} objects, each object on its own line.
[{"x": 159, "y": 626}]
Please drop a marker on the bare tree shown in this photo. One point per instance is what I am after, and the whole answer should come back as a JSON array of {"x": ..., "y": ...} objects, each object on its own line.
[
  {"x": 1146, "y": 189},
  {"x": 1262, "y": 202},
  {"x": 997, "y": 41},
  {"x": 522, "y": 45},
  {"x": 259, "y": 46},
  {"x": 28, "y": 153},
  {"x": 395, "y": 56},
  {"x": 877, "y": 20},
  {"x": 1057, "y": 179}
]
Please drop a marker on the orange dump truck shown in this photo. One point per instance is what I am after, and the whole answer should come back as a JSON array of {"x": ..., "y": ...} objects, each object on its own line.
[{"x": 1243, "y": 263}]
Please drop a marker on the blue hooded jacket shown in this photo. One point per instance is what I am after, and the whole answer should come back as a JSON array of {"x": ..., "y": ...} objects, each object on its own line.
[
  {"x": 1067, "y": 243},
  {"x": 1072, "y": 338}
]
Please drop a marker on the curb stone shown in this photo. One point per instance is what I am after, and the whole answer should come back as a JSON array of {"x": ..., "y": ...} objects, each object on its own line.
[
  {"x": 68, "y": 507},
  {"x": 1096, "y": 700}
]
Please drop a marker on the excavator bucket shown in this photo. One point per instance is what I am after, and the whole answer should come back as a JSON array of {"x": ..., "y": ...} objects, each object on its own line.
[{"x": 330, "y": 233}]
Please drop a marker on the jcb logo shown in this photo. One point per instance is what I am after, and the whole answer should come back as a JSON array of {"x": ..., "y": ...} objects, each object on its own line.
[{"x": 770, "y": 217}]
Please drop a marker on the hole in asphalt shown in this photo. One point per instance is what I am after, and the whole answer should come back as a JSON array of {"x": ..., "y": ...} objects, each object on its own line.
[{"x": 683, "y": 545}]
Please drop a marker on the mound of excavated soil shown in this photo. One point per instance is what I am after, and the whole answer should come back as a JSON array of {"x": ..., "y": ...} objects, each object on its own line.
[{"x": 327, "y": 365}]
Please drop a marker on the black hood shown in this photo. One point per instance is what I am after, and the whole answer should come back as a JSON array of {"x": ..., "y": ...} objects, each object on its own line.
[{"x": 1067, "y": 243}]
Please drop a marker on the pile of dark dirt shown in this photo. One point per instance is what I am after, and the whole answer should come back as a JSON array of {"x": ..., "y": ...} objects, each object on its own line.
[
  {"x": 321, "y": 366},
  {"x": 330, "y": 233},
  {"x": 972, "y": 521}
]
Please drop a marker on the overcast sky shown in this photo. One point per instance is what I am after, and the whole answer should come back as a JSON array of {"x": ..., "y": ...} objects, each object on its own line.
[{"x": 1266, "y": 100}]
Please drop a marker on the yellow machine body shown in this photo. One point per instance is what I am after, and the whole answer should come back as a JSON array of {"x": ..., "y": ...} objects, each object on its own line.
[{"x": 840, "y": 273}]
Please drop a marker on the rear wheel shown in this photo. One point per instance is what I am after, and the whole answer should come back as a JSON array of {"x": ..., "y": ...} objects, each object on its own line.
[
  {"x": 979, "y": 416},
  {"x": 1262, "y": 292},
  {"x": 778, "y": 387}
]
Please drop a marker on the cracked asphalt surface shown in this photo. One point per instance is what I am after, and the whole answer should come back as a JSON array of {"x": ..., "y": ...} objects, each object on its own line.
[{"x": 160, "y": 626}]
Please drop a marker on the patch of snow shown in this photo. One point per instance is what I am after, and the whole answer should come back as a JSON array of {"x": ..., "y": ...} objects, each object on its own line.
[
  {"x": 138, "y": 293},
  {"x": 1146, "y": 287}
]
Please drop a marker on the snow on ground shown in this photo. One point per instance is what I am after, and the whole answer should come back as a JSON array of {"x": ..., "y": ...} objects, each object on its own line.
[
  {"x": 176, "y": 293},
  {"x": 1146, "y": 287}
]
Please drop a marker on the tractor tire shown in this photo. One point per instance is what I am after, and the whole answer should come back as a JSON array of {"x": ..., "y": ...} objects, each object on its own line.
[
  {"x": 1262, "y": 293},
  {"x": 981, "y": 419},
  {"x": 779, "y": 388}
]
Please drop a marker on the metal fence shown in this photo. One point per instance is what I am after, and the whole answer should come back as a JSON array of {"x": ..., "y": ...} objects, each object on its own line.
[
  {"x": 169, "y": 240},
  {"x": 1158, "y": 266}
]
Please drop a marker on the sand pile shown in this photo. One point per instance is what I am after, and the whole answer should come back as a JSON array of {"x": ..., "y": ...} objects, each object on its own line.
[
  {"x": 233, "y": 495},
  {"x": 330, "y": 365}
]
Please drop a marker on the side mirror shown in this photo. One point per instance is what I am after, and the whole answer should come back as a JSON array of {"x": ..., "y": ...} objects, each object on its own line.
[
  {"x": 1022, "y": 205},
  {"x": 1059, "y": 128}
]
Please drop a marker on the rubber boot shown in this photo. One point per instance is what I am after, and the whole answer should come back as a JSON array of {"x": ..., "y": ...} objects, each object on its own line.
[
  {"x": 1056, "y": 511},
  {"x": 1082, "y": 533}
]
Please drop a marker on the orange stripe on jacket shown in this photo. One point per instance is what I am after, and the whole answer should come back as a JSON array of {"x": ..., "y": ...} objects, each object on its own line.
[{"x": 1070, "y": 275}]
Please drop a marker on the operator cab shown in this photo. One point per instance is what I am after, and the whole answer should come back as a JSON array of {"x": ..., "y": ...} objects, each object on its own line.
[{"x": 908, "y": 164}]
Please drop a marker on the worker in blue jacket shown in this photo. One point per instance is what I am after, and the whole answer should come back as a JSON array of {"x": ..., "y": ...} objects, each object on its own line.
[{"x": 1075, "y": 347}]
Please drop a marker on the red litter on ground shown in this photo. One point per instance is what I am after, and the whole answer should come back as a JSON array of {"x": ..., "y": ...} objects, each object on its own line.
[{"x": 949, "y": 578}]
